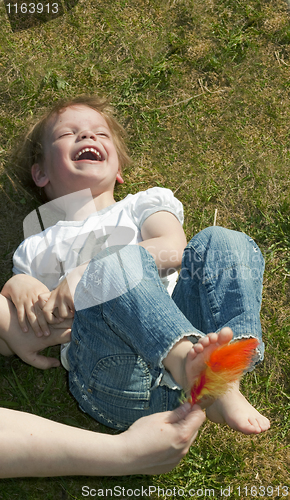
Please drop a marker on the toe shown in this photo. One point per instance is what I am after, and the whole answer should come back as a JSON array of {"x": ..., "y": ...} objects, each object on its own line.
[
  {"x": 204, "y": 341},
  {"x": 225, "y": 336},
  {"x": 247, "y": 426},
  {"x": 198, "y": 348},
  {"x": 191, "y": 355},
  {"x": 255, "y": 425},
  {"x": 264, "y": 423},
  {"x": 212, "y": 338}
]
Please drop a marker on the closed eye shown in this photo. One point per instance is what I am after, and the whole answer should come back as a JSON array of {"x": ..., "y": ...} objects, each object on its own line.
[
  {"x": 65, "y": 133},
  {"x": 103, "y": 134}
]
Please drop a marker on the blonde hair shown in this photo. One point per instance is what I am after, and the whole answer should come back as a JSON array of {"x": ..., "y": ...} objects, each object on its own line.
[{"x": 31, "y": 150}]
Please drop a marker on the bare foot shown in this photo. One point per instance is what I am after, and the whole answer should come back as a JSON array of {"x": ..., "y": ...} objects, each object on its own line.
[
  {"x": 196, "y": 357},
  {"x": 233, "y": 409},
  {"x": 185, "y": 361}
]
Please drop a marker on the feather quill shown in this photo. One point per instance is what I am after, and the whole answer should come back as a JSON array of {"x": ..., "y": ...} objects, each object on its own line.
[{"x": 225, "y": 365}]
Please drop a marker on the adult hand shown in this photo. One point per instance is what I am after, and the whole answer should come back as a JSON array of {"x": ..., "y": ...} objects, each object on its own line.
[{"x": 158, "y": 442}]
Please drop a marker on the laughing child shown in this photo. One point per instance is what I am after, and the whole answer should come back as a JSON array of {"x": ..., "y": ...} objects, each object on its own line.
[{"x": 111, "y": 267}]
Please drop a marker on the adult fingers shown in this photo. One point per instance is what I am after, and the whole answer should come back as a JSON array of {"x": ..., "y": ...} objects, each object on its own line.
[
  {"x": 186, "y": 412},
  {"x": 191, "y": 424},
  {"x": 64, "y": 325},
  {"x": 41, "y": 362},
  {"x": 59, "y": 336},
  {"x": 189, "y": 419},
  {"x": 179, "y": 413}
]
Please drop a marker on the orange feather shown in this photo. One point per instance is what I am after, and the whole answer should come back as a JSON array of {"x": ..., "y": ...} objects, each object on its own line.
[{"x": 225, "y": 365}]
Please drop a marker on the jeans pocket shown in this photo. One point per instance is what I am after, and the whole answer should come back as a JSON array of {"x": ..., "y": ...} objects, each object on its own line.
[{"x": 122, "y": 380}]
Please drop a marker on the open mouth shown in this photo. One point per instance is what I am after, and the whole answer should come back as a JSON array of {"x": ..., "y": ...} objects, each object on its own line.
[{"x": 89, "y": 154}]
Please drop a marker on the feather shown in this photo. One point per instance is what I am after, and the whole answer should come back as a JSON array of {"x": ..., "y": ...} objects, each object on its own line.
[{"x": 225, "y": 365}]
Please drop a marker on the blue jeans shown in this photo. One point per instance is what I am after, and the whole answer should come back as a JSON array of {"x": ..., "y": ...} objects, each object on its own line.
[{"x": 118, "y": 344}]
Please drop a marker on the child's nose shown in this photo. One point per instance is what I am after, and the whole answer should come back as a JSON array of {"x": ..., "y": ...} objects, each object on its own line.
[{"x": 87, "y": 134}]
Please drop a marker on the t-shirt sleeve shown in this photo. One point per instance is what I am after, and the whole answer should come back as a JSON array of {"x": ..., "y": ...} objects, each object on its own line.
[
  {"x": 156, "y": 200},
  {"x": 22, "y": 259},
  {"x": 35, "y": 258},
  {"x": 29, "y": 255}
]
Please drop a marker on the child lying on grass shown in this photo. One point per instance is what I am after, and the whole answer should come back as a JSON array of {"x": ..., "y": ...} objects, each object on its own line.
[{"x": 104, "y": 265}]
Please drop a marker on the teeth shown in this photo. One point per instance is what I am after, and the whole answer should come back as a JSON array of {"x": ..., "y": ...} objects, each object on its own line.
[{"x": 86, "y": 150}]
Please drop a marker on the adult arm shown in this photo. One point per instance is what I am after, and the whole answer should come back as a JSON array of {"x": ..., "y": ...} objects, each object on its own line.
[{"x": 32, "y": 446}]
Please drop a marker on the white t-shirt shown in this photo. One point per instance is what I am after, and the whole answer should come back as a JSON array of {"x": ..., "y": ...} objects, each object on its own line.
[{"x": 51, "y": 254}]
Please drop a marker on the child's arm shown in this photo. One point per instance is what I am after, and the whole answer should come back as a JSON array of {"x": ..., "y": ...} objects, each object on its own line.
[
  {"x": 32, "y": 446},
  {"x": 164, "y": 238}
]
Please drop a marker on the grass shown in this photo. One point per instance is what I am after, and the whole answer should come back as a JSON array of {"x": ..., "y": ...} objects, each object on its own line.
[{"x": 202, "y": 89}]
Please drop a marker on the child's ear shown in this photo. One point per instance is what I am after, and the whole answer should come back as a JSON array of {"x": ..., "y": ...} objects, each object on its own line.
[
  {"x": 40, "y": 178},
  {"x": 119, "y": 178}
]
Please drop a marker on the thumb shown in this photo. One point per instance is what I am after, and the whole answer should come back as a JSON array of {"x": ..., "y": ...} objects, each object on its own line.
[
  {"x": 191, "y": 414},
  {"x": 42, "y": 362},
  {"x": 196, "y": 415},
  {"x": 179, "y": 413}
]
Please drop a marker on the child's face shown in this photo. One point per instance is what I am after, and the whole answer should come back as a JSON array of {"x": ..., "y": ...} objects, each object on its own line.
[{"x": 79, "y": 153}]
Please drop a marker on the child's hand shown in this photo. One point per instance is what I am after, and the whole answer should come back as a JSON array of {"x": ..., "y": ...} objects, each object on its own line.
[
  {"x": 26, "y": 345},
  {"x": 23, "y": 290},
  {"x": 59, "y": 304}
]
